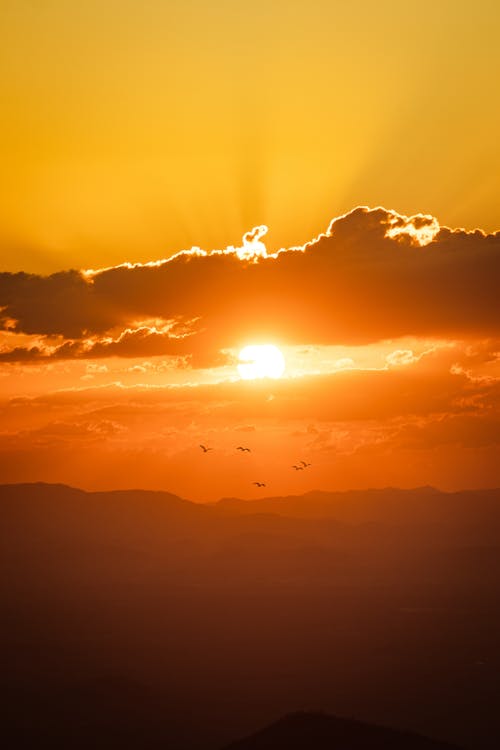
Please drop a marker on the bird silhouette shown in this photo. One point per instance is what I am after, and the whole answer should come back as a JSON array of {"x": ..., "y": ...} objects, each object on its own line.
[
  {"x": 305, "y": 465},
  {"x": 298, "y": 468},
  {"x": 243, "y": 450},
  {"x": 259, "y": 484},
  {"x": 205, "y": 449}
]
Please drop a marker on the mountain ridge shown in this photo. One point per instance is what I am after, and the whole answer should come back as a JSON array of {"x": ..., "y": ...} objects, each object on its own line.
[{"x": 238, "y": 617}]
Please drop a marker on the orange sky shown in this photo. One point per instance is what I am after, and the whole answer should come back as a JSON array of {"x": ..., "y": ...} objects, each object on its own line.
[
  {"x": 388, "y": 326},
  {"x": 141, "y": 141},
  {"x": 131, "y": 130}
]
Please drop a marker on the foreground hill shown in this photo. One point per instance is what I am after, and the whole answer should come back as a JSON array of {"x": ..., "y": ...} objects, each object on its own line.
[
  {"x": 316, "y": 731},
  {"x": 141, "y": 620}
]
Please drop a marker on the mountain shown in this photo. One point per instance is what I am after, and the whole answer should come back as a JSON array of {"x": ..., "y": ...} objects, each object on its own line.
[
  {"x": 318, "y": 731},
  {"x": 142, "y": 620},
  {"x": 407, "y": 506},
  {"x": 17, "y": 498}
]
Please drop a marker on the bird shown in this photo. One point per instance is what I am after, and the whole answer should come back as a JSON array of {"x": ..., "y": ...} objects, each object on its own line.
[
  {"x": 305, "y": 465},
  {"x": 243, "y": 450},
  {"x": 259, "y": 484},
  {"x": 298, "y": 468},
  {"x": 205, "y": 449}
]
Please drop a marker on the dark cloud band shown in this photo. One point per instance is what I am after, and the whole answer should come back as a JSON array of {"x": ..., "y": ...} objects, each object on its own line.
[{"x": 372, "y": 275}]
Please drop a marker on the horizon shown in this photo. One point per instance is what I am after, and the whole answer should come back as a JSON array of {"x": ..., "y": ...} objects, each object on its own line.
[{"x": 322, "y": 491}]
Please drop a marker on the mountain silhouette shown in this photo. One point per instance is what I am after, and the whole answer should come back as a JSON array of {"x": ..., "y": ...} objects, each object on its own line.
[
  {"x": 418, "y": 505},
  {"x": 318, "y": 731},
  {"x": 141, "y": 620}
]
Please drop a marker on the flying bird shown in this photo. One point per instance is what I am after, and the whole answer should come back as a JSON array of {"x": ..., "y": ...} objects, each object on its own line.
[
  {"x": 243, "y": 450},
  {"x": 259, "y": 484},
  {"x": 205, "y": 449},
  {"x": 305, "y": 465},
  {"x": 298, "y": 468}
]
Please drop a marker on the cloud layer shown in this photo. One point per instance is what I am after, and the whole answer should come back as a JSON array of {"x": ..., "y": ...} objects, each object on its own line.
[
  {"x": 424, "y": 419},
  {"x": 373, "y": 275}
]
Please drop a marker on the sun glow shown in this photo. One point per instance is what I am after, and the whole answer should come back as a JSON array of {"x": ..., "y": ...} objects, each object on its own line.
[{"x": 261, "y": 361}]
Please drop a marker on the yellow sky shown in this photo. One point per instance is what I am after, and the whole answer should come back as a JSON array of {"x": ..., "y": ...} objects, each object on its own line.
[{"x": 133, "y": 129}]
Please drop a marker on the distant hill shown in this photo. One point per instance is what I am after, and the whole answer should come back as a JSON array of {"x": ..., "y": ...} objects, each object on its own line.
[
  {"x": 419, "y": 505},
  {"x": 374, "y": 535},
  {"x": 425, "y": 505},
  {"x": 317, "y": 731},
  {"x": 146, "y": 621},
  {"x": 59, "y": 508},
  {"x": 40, "y": 492}
]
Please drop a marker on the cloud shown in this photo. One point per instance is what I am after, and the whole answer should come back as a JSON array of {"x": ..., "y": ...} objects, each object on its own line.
[
  {"x": 143, "y": 341},
  {"x": 464, "y": 430},
  {"x": 401, "y": 357},
  {"x": 373, "y": 275},
  {"x": 436, "y": 383},
  {"x": 383, "y": 426},
  {"x": 432, "y": 416}
]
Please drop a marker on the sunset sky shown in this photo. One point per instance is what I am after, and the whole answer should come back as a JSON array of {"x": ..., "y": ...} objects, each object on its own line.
[{"x": 146, "y": 147}]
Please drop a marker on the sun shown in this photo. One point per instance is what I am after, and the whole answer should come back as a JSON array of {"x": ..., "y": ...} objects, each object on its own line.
[{"x": 261, "y": 361}]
